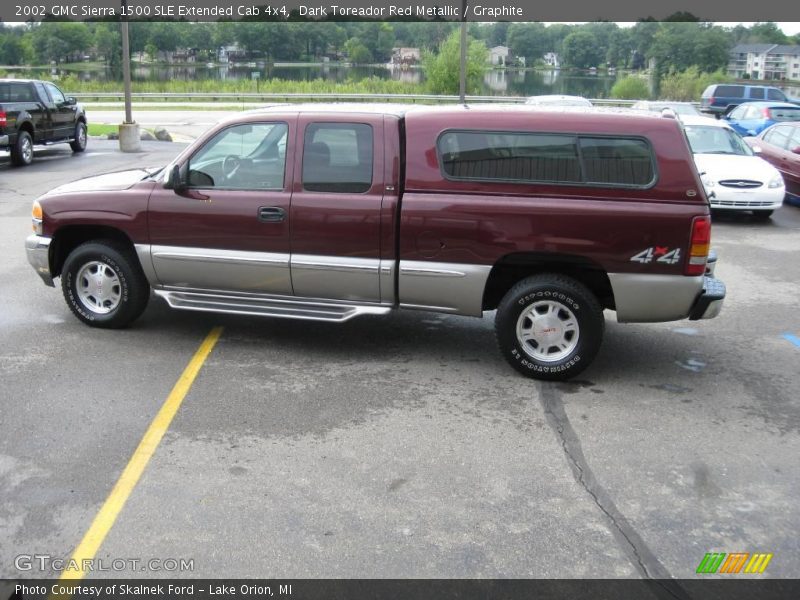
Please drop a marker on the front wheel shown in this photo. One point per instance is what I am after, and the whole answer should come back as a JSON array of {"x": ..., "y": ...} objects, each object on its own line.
[
  {"x": 78, "y": 144},
  {"x": 549, "y": 327},
  {"x": 103, "y": 285}
]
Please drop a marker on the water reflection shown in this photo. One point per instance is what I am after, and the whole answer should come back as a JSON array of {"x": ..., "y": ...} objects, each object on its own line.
[{"x": 512, "y": 82}]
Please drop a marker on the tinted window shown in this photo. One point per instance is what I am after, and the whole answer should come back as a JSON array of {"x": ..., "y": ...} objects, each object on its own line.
[
  {"x": 510, "y": 156},
  {"x": 538, "y": 157},
  {"x": 55, "y": 94},
  {"x": 337, "y": 157},
  {"x": 785, "y": 114},
  {"x": 247, "y": 156},
  {"x": 730, "y": 91},
  {"x": 616, "y": 161},
  {"x": 756, "y": 93},
  {"x": 773, "y": 94},
  {"x": 16, "y": 92}
]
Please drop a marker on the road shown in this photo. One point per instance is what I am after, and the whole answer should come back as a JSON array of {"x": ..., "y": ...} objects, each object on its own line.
[{"x": 400, "y": 446}]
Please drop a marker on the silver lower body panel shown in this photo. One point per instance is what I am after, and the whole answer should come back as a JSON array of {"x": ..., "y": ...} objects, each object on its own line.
[{"x": 643, "y": 298}]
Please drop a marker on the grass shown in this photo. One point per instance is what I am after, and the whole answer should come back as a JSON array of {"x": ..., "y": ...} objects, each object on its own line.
[{"x": 99, "y": 129}]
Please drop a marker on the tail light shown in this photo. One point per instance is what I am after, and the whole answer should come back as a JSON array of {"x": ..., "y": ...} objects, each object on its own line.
[
  {"x": 711, "y": 101},
  {"x": 699, "y": 246},
  {"x": 766, "y": 113},
  {"x": 3, "y": 120}
]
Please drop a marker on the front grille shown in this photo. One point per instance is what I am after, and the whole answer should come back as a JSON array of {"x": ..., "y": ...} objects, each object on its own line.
[
  {"x": 742, "y": 184},
  {"x": 743, "y": 203}
]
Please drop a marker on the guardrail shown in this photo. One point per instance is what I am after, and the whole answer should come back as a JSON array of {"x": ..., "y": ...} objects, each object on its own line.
[{"x": 291, "y": 97}]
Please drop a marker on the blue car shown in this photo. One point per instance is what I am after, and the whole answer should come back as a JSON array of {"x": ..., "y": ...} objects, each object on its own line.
[{"x": 751, "y": 118}]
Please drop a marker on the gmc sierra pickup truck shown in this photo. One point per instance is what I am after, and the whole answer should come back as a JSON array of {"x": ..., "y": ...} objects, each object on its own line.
[
  {"x": 37, "y": 112},
  {"x": 329, "y": 212}
]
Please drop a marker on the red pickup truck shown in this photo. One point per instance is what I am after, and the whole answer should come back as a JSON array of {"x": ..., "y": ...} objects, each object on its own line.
[{"x": 328, "y": 212}]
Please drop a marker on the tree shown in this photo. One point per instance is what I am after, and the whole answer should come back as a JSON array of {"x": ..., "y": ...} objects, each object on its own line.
[
  {"x": 107, "y": 41},
  {"x": 61, "y": 41},
  {"x": 529, "y": 40},
  {"x": 630, "y": 88},
  {"x": 443, "y": 69},
  {"x": 357, "y": 52},
  {"x": 581, "y": 49}
]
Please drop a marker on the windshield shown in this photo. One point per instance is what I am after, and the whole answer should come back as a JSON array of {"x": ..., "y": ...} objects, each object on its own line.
[{"x": 716, "y": 140}]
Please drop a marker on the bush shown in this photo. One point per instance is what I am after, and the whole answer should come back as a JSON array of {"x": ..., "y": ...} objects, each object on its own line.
[
  {"x": 631, "y": 88},
  {"x": 687, "y": 85},
  {"x": 443, "y": 70}
]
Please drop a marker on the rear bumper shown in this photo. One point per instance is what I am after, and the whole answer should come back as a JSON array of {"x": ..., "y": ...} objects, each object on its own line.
[
  {"x": 709, "y": 302},
  {"x": 38, "y": 250},
  {"x": 4, "y": 140}
]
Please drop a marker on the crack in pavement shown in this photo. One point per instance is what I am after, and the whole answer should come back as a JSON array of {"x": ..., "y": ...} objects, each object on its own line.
[{"x": 629, "y": 540}]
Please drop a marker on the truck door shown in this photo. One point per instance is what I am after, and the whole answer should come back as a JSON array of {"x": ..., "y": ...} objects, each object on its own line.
[
  {"x": 43, "y": 119},
  {"x": 336, "y": 207},
  {"x": 229, "y": 229},
  {"x": 62, "y": 114}
]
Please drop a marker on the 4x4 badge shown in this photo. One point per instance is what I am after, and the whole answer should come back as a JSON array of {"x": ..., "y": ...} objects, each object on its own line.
[{"x": 661, "y": 254}]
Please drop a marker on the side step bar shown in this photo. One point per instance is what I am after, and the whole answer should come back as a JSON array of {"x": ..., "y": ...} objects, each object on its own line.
[{"x": 268, "y": 306}]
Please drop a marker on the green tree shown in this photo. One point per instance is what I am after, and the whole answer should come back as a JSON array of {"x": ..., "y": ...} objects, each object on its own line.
[
  {"x": 443, "y": 69},
  {"x": 582, "y": 50},
  {"x": 107, "y": 42},
  {"x": 357, "y": 52},
  {"x": 529, "y": 40},
  {"x": 630, "y": 88}
]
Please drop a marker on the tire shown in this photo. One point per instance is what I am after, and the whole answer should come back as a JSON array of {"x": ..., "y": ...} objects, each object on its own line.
[
  {"x": 557, "y": 303},
  {"x": 79, "y": 143},
  {"x": 762, "y": 215},
  {"x": 22, "y": 151},
  {"x": 104, "y": 285}
]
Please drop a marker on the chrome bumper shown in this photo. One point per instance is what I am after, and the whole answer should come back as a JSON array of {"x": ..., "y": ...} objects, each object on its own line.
[{"x": 38, "y": 251}]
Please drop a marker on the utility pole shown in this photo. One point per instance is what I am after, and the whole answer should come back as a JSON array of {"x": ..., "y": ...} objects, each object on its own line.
[
  {"x": 129, "y": 130},
  {"x": 462, "y": 83}
]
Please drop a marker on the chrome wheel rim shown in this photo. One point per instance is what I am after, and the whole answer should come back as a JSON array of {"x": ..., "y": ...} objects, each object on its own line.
[
  {"x": 98, "y": 287},
  {"x": 548, "y": 331},
  {"x": 27, "y": 150},
  {"x": 82, "y": 135}
]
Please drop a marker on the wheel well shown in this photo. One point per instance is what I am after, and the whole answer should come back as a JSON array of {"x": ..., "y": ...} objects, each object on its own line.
[
  {"x": 68, "y": 238},
  {"x": 514, "y": 267},
  {"x": 26, "y": 126}
]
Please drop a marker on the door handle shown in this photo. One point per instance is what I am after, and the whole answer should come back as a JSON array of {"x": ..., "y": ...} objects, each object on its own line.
[{"x": 271, "y": 214}]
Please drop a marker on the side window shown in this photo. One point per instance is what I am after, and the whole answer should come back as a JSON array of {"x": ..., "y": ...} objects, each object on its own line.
[
  {"x": 337, "y": 157},
  {"x": 250, "y": 156},
  {"x": 738, "y": 112},
  {"x": 55, "y": 94},
  {"x": 42, "y": 93},
  {"x": 773, "y": 94},
  {"x": 617, "y": 161},
  {"x": 541, "y": 157},
  {"x": 756, "y": 93},
  {"x": 778, "y": 136},
  {"x": 519, "y": 157}
]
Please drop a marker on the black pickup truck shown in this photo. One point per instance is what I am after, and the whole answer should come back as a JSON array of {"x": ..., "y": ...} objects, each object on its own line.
[{"x": 37, "y": 112}]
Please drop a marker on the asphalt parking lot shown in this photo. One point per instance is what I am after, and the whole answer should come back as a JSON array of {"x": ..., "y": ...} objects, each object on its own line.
[{"x": 400, "y": 446}]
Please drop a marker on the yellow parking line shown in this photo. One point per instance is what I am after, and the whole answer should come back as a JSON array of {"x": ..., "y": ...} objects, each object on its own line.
[{"x": 116, "y": 500}]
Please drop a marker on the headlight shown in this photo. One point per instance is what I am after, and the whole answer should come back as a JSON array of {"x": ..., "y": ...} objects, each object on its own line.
[
  {"x": 776, "y": 182},
  {"x": 36, "y": 218}
]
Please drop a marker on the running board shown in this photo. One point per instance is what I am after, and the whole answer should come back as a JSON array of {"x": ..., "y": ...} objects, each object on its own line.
[{"x": 266, "y": 306}]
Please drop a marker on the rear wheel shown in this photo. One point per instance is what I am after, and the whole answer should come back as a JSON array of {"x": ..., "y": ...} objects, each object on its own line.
[
  {"x": 78, "y": 144},
  {"x": 103, "y": 285},
  {"x": 549, "y": 327},
  {"x": 762, "y": 215},
  {"x": 22, "y": 151}
]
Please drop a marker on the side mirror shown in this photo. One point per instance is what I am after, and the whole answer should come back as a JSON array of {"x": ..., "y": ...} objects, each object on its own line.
[
  {"x": 70, "y": 101},
  {"x": 756, "y": 149},
  {"x": 796, "y": 150},
  {"x": 174, "y": 181}
]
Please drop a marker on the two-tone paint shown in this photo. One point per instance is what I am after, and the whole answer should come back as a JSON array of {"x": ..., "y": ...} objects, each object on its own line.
[{"x": 414, "y": 239}]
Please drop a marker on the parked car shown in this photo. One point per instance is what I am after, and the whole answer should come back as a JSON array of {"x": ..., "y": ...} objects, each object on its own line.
[
  {"x": 780, "y": 145},
  {"x": 754, "y": 117},
  {"x": 679, "y": 108},
  {"x": 558, "y": 100},
  {"x": 721, "y": 98},
  {"x": 734, "y": 177},
  {"x": 37, "y": 112},
  {"x": 548, "y": 217}
]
